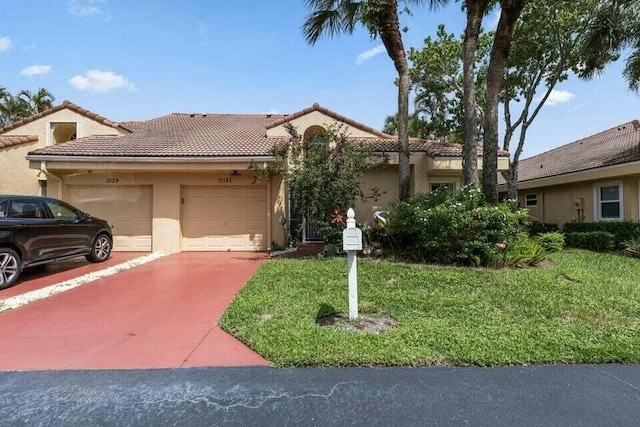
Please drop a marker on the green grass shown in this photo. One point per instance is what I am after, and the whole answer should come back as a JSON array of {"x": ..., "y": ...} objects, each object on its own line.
[{"x": 585, "y": 307}]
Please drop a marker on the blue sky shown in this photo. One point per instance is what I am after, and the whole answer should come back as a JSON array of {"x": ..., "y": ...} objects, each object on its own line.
[{"x": 134, "y": 60}]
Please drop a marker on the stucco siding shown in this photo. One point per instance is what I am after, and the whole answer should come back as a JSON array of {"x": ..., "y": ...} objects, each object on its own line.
[
  {"x": 316, "y": 118},
  {"x": 385, "y": 179},
  {"x": 15, "y": 175}
]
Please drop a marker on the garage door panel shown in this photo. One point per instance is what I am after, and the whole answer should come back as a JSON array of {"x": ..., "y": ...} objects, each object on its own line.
[
  {"x": 128, "y": 209},
  {"x": 234, "y": 219}
]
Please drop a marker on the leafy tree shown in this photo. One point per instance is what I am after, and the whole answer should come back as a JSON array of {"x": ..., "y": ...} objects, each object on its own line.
[
  {"x": 418, "y": 128},
  {"x": 509, "y": 15},
  {"x": 437, "y": 77},
  {"x": 322, "y": 173},
  {"x": 545, "y": 50},
  {"x": 380, "y": 18},
  {"x": 614, "y": 28}
]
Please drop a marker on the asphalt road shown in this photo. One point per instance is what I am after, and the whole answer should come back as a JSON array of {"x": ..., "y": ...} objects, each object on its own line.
[{"x": 600, "y": 395}]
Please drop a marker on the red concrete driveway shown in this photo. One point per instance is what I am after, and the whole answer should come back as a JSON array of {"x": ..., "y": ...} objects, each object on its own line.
[
  {"x": 50, "y": 274},
  {"x": 158, "y": 315}
]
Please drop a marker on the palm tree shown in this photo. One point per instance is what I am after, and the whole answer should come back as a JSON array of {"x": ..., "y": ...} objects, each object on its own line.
[
  {"x": 37, "y": 102},
  {"x": 12, "y": 109},
  {"x": 476, "y": 9},
  {"x": 380, "y": 18},
  {"x": 614, "y": 28},
  {"x": 509, "y": 15}
]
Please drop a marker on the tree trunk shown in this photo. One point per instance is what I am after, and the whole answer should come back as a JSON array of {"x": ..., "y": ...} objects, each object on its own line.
[
  {"x": 511, "y": 176},
  {"x": 475, "y": 13},
  {"x": 495, "y": 72},
  {"x": 391, "y": 37},
  {"x": 403, "y": 135}
]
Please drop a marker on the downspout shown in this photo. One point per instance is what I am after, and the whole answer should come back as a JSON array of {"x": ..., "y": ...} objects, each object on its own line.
[{"x": 43, "y": 169}]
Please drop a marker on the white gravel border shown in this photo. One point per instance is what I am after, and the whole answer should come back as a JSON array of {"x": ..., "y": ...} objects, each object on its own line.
[{"x": 38, "y": 294}]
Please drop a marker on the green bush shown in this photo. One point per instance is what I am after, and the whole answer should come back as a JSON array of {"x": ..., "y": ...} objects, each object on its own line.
[
  {"x": 539, "y": 227},
  {"x": 622, "y": 230},
  {"x": 632, "y": 247},
  {"x": 522, "y": 252},
  {"x": 458, "y": 228},
  {"x": 552, "y": 242},
  {"x": 592, "y": 240}
]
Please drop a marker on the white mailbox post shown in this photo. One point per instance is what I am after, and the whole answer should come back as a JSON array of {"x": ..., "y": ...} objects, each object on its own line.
[{"x": 351, "y": 243}]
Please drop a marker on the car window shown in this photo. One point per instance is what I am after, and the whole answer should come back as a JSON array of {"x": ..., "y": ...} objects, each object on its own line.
[
  {"x": 27, "y": 208},
  {"x": 62, "y": 210},
  {"x": 4, "y": 209}
]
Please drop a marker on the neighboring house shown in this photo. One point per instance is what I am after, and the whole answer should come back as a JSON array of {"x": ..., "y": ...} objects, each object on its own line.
[
  {"x": 181, "y": 182},
  {"x": 593, "y": 179}
]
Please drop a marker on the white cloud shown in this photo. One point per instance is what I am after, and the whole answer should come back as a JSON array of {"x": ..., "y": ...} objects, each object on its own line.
[
  {"x": 368, "y": 54},
  {"x": 32, "y": 46},
  {"x": 5, "y": 43},
  {"x": 101, "y": 81},
  {"x": 35, "y": 70},
  {"x": 559, "y": 97},
  {"x": 82, "y": 8}
]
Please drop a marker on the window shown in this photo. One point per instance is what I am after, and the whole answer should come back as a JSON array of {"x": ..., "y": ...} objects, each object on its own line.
[
  {"x": 4, "y": 209},
  {"x": 449, "y": 185},
  {"x": 531, "y": 200},
  {"x": 608, "y": 201},
  {"x": 27, "y": 208},
  {"x": 62, "y": 210}
]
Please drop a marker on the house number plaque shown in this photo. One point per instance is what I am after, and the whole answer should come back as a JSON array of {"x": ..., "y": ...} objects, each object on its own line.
[{"x": 225, "y": 180}]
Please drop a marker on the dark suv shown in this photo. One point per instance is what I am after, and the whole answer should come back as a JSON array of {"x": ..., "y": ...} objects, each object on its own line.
[{"x": 39, "y": 230}]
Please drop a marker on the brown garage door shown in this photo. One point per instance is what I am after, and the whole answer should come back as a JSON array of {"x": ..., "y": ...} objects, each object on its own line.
[
  {"x": 224, "y": 218},
  {"x": 128, "y": 209}
]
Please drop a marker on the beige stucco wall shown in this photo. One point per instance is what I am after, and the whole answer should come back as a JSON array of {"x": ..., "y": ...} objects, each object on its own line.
[
  {"x": 384, "y": 178},
  {"x": 167, "y": 194},
  {"x": 15, "y": 175},
  {"x": 316, "y": 118},
  {"x": 555, "y": 203}
]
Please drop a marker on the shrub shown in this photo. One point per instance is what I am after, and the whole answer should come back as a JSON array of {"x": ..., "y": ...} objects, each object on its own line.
[
  {"x": 632, "y": 247},
  {"x": 458, "y": 228},
  {"x": 552, "y": 242},
  {"x": 539, "y": 227},
  {"x": 622, "y": 230},
  {"x": 524, "y": 251},
  {"x": 592, "y": 240}
]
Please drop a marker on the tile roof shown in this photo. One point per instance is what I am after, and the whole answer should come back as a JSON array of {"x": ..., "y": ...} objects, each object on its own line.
[
  {"x": 10, "y": 140},
  {"x": 211, "y": 135},
  {"x": 417, "y": 145},
  {"x": 178, "y": 135},
  {"x": 617, "y": 145},
  {"x": 339, "y": 117},
  {"x": 65, "y": 104}
]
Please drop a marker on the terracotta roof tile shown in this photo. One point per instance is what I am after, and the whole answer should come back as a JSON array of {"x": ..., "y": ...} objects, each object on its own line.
[
  {"x": 65, "y": 104},
  {"x": 178, "y": 135},
  {"x": 432, "y": 148},
  {"x": 333, "y": 114},
  {"x": 617, "y": 145},
  {"x": 10, "y": 140}
]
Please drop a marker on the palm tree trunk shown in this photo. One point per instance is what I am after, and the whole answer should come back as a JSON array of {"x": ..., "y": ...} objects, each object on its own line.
[
  {"x": 391, "y": 37},
  {"x": 475, "y": 12},
  {"x": 495, "y": 72}
]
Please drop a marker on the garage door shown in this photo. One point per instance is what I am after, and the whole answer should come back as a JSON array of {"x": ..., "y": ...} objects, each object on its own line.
[
  {"x": 224, "y": 218},
  {"x": 128, "y": 209}
]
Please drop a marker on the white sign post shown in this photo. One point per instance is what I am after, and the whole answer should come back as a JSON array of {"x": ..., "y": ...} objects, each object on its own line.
[{"x": 352, "y": 243}]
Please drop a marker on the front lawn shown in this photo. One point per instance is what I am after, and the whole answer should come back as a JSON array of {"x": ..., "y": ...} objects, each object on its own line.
[{"x": 585, "y": 307}]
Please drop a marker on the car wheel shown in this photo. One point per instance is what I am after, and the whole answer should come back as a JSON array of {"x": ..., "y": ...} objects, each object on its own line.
[
  {"x": 101, "y": 249},
  {"x": 9, "y": 267}
]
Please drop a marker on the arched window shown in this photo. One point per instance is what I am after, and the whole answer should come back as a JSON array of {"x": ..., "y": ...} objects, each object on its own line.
[{"x": 316, "y": 137}]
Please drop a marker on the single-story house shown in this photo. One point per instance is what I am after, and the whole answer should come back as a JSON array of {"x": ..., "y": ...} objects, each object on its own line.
[
  {"x": 596, "y": 178},
  {"x": 181, "y": 182}
]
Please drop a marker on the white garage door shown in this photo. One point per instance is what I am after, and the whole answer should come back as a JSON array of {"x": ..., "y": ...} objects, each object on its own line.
[
  {"x": 224, "y": 218},
  {"x": 128, "y": 209}
]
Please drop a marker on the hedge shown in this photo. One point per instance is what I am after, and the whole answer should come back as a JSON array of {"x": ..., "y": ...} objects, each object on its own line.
[
  {"x": 592, "y": 240},
  {"x": 622, "y": 230}
]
